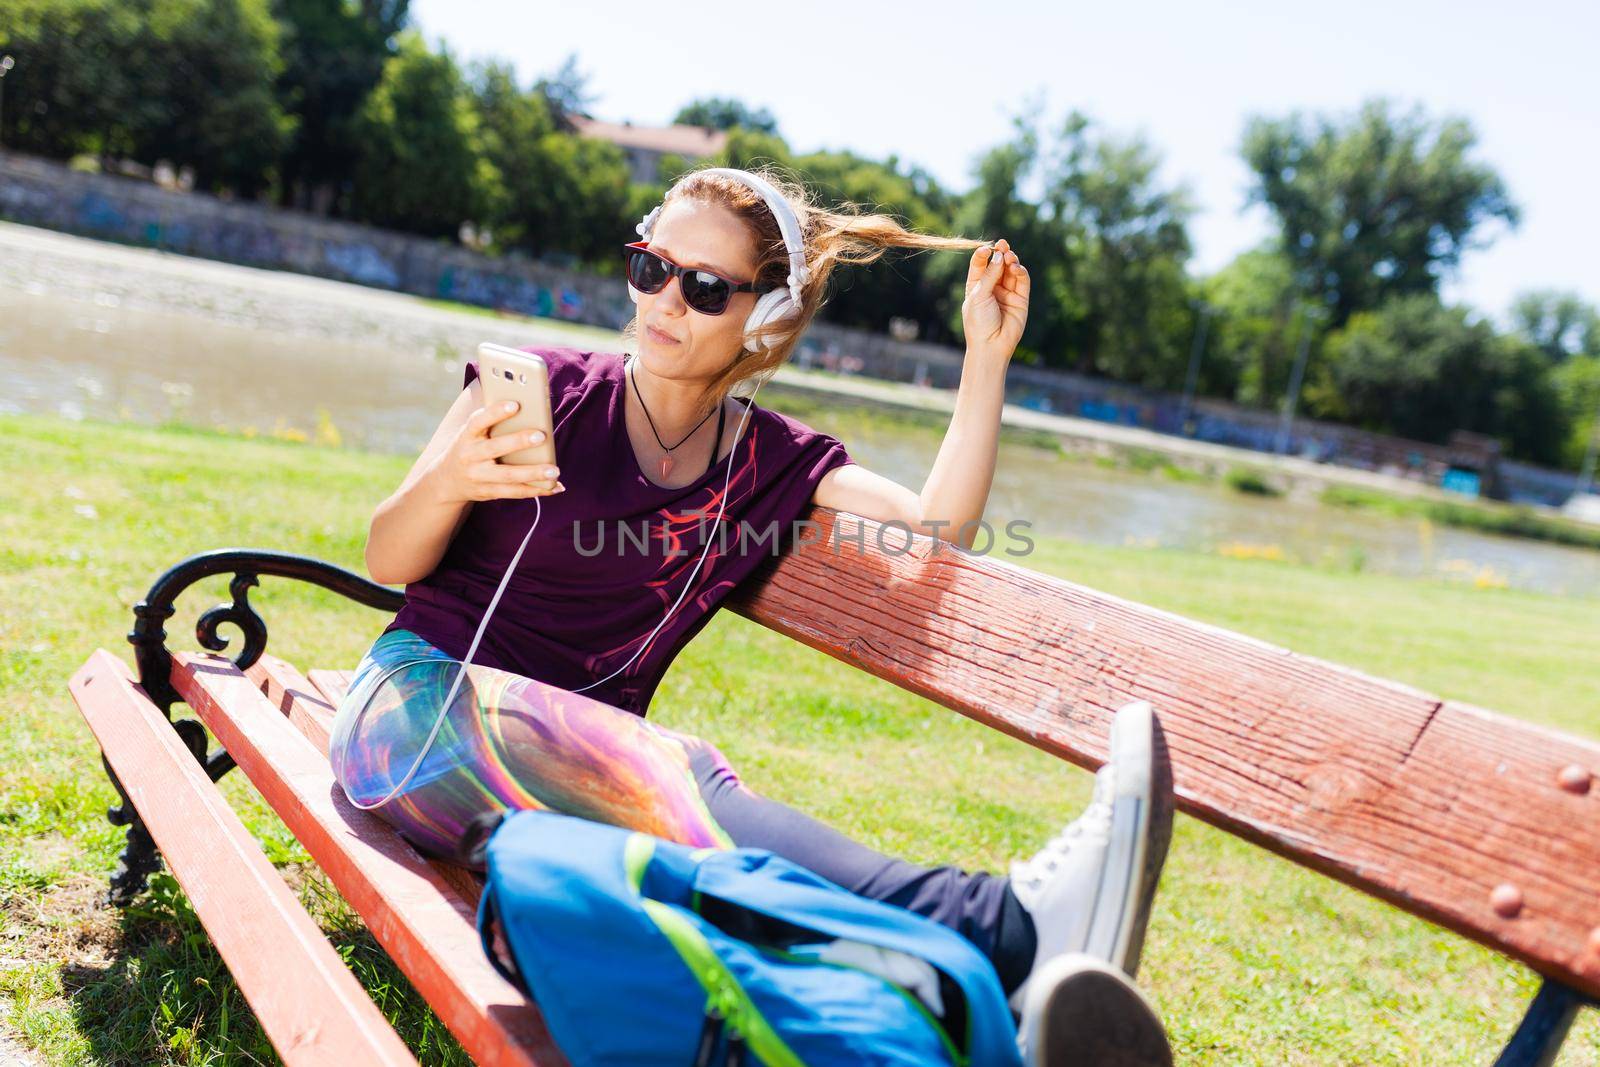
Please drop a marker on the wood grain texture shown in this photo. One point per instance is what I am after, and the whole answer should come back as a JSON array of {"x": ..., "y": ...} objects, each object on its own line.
[
  {"x": 414, "y": 912},
  {"x": 310, "y": 709},
  {"x": 331, "y": 683},
  {"x": 309, "y": 1004},
  {"x": 1428, "y": 804},
  {"x": 307, "y": 708}
]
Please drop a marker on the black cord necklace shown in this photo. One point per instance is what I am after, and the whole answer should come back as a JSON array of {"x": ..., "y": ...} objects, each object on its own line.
[{"x": 667, "y": 460}]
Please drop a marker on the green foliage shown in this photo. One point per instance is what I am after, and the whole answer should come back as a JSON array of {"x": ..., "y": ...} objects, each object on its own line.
[
  {"x": 1106, "y": 249},
  {"x": 1250, "y": 345},
  {"x": 334, "y": 53},
  {"x": 421, "y": 164},
  {"x": 1248, "y": 480},
  {"x": 565, "y": 93},
  {"x": 1420, "y": 369},
  {"x": 206, "y": 96},
  {"x": 724, "y": 113},
  {"x": 188, "y": 81},
  {"x": 1374, "y": 205},
  {"x": 1561, "y": 324},
  {"x": 1486, "y": 515},
  {"x": 555, "y": 193},
  {"x": 66, "y": 93},
  {"x": 1577, "y": 383}
]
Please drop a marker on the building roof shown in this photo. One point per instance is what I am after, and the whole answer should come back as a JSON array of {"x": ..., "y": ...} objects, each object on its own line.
[{"x": 692, "y": 141}]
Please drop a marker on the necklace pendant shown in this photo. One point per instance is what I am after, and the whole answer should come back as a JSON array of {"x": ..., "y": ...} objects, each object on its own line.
[{"x": 666, "y": 467}]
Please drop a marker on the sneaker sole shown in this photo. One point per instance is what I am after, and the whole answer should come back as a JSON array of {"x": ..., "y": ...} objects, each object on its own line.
[
  {"x": 1086, "y": 1012},
  {"x": 1141, "y": 829}
]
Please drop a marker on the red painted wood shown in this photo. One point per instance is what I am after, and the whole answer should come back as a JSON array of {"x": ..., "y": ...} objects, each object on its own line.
[
  {"x": 311, "y": 712},
  {"x": 309, "y": 1004},
  {"x": 333, "y": 684},
  {"x": 413, "y": 911},
  {"x": 307, "y": 709},
  {"x": 1427, "y": 804}
]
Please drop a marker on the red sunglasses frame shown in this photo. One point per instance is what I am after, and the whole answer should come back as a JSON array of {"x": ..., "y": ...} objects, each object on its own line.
[{"x": 676, "y": 271}]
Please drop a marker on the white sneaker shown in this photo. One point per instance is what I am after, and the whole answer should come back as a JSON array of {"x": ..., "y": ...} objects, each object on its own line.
[
  {"x": 1090, "y": 888},
  {"x": 1084, "y": 1011}
]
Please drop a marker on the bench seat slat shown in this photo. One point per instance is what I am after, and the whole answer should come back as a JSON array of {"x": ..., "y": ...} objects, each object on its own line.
[
  {"x": 311, "y": 712},
  {"x": 1427, "y": 804},
  {"x": 311, "y": 1007},
  {"x": 331, "y": 683},
  {"x": 411, "y": 909}
]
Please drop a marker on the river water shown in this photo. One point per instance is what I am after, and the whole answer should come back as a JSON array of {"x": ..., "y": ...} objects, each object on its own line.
[{"x": 92, "y": 330}]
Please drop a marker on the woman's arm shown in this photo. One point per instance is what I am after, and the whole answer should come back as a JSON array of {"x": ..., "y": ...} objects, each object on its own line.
[
  {"x": 953, "y": 498},
  {"x": 412, "y": 528},
  {"x": 957, "y": 488}
]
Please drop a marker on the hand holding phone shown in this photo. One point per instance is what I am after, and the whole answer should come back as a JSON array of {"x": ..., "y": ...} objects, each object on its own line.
[
  {"x": 508, "y": 374},
  {"x": 505, "y": 449}
]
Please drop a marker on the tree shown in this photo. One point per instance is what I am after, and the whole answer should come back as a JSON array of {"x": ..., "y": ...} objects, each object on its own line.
[
  {"x": 334, "y": 53},
  {"x": 1132, "y": 242},
  {"x": 1253, "y": 335},
  {"x": 1577, "y": 383},
  {"x": 1420, "y": 369},
  {"x": 1106, "y": 248},
  {"x": 1373, "y": 206},
  {"x": 420, "y": 164},
  {"x": 206, "y": 94},
  {"x": 189, "y": 81},
  {"x": 558, "y": 192},
  {"x": 566, "y": 92},
  {"x": 67, "y": 92},
  {"x": 1562, "y": 325},
  {"x": 724, "y": 113}
]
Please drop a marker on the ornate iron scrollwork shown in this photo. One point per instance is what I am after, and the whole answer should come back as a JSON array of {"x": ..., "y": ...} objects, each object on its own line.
[{"x": 148, "y": 637}]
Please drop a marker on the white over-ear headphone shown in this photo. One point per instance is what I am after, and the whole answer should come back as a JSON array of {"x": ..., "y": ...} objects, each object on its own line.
[
  {"x": 770, "y": 308},
  {"x": 780, "y": 303}
]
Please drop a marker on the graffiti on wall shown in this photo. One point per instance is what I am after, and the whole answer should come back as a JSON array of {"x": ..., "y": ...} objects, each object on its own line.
[
  {"x": 361, "y": 263},
  {"x": 496, "y": 291}
]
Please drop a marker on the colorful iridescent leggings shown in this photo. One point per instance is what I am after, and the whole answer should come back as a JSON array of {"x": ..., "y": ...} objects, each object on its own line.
[{"x": 515, "y": 742}]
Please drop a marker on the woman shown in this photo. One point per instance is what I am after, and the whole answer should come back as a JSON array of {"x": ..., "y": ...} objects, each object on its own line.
[{"x": 732, "y": 268}]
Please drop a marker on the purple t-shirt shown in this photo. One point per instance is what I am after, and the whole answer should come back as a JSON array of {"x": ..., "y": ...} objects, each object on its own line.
[{"x": 585, "y": 594}]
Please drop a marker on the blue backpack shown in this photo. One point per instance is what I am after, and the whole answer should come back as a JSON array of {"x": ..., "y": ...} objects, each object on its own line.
[{"x": 640, "y": 951}]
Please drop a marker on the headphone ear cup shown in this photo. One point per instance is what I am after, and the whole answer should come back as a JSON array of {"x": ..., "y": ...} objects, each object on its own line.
[
  {"x": 769, "y": 309},
  {"x": 633, "y": 294}
]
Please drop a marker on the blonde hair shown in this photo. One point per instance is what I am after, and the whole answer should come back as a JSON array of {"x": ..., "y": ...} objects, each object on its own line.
[{"x": 831, "y": 238}]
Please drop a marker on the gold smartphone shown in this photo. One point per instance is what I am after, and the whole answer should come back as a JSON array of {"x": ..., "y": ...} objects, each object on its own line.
[{"x": 510, "y": 374}]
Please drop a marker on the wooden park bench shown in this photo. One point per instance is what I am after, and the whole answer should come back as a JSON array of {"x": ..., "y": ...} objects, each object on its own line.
[{"x": 1472, "y": 820}]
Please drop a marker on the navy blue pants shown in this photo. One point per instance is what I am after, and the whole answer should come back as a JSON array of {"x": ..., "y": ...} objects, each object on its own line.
[{"x": 980, "y": 906}]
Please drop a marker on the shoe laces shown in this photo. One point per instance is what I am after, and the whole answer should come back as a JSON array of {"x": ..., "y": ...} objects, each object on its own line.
[{"x": 1032, "y": 873}]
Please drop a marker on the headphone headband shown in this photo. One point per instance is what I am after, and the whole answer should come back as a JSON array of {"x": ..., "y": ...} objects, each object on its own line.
[{"x": 788, "y": 223}]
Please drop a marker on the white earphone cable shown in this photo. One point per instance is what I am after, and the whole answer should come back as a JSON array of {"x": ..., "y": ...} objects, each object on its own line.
[{"x": 455, "y": 686}]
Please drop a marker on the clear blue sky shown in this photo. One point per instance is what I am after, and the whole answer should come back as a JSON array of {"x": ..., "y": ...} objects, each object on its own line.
[{"x": 936, "y": 81}]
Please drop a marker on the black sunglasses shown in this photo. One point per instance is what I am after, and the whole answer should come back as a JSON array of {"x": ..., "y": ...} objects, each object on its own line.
[{"x": 705, "y": 291}]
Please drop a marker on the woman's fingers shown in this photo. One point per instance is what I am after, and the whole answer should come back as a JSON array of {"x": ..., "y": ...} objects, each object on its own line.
[
  {"x": 495, "y": 447},
  {"x": 1017, "y": 280},
  {"x": 480, "y": 421},
  {"x": 988, "y": 265},
  {"x": 522, "y": 492},
  {"x": 521, "y": 472}
]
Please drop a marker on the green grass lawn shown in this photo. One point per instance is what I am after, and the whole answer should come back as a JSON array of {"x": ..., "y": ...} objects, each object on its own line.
[{"x": 1250, "y": 958}]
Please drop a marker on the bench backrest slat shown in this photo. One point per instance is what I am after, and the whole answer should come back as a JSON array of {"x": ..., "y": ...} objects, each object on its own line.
[
  {"x": 410, "y": 908},
  {"x": 1425, "y": 803}
]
